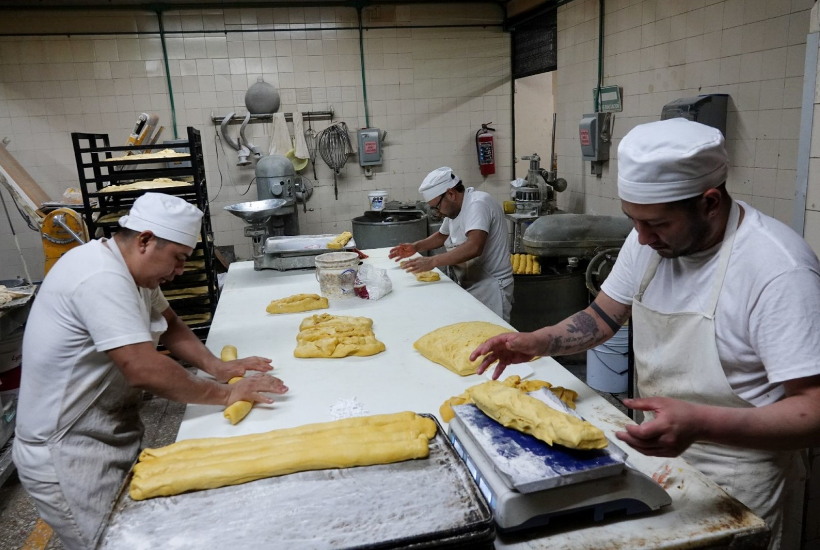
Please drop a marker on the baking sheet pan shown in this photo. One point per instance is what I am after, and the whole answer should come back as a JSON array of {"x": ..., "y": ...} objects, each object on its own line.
[
  {"x": 416, "y": 503},
  {"x": 303, "y": 245}
]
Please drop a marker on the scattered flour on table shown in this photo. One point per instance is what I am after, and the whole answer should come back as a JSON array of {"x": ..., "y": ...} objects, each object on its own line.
[{"x": 347, "y": 408}]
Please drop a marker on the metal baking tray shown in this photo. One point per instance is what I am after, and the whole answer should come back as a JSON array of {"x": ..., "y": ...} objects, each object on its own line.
[
  {"x": 416, "y": 504},
  {"x": 303, "y": 245}
]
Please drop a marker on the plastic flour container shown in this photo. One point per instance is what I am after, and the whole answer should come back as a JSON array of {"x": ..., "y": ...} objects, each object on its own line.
[{"x": 336, "y": 273}]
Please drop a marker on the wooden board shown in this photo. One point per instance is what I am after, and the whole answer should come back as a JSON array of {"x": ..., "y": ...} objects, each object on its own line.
[{"x": 21, "y": 180}]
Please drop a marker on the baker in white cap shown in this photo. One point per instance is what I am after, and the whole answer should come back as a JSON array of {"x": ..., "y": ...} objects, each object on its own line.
[
  {"x": 90, "y": 348},
  {"x": 724, "y": 303},
  {"x": 475, "y": 234}
]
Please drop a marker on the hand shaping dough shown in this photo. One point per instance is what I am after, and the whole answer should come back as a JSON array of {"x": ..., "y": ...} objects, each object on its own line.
[
  {"x": 363, "y": 441},
  {"x": 427, "y": 276},
  {"x": 240, "y": 409},
  {"x": 297, "y": 303},
  {"x": 517, "y": 410},
  {"x": 526, "y": 386},
  {"x": 452, "y": 345},
  {"x": 339, "y": 241}
]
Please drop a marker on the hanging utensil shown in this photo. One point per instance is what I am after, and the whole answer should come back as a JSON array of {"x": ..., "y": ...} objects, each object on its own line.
[
  {"x": 310, "y": 140},
  {"x": 334, "y": 146}
]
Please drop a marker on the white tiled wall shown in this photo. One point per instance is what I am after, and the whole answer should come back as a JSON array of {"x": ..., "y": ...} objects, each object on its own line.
[
  {"x": 661, "y": 50},
  {"x": 430, "y": 89}
]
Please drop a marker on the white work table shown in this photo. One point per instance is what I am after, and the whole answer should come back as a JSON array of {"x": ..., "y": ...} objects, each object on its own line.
[{"x": 399, "y": 379}]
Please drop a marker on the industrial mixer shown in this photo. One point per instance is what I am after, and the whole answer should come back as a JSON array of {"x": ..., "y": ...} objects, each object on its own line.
[{"x": 565, "y": 244}]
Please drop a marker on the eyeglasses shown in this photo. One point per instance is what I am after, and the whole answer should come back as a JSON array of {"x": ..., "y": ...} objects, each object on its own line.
[{"x": 437, "y": 207}]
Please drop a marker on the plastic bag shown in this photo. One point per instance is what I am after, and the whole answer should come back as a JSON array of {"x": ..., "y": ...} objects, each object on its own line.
[
  {"x": 372, "y": 283},
  {"x": 72, "y": 196}
]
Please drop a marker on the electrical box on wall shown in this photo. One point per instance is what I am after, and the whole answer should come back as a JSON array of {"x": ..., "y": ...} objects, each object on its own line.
[
  {"x": 370, "y": 147},
  {"x": 708, "y": 109},
  {"x": 594, "y": 133}
]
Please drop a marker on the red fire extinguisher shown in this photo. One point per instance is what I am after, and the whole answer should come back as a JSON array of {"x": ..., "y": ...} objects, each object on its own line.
[{"x": 486, "y": 149}]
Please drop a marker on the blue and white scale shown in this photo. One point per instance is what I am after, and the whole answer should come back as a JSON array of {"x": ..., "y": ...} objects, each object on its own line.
[{"x": 529, "y": 483}]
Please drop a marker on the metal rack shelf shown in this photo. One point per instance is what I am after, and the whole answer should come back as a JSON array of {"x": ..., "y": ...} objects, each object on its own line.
[
  {"x": 306, "y": 116},
  {"x": 96, "y": 171}
]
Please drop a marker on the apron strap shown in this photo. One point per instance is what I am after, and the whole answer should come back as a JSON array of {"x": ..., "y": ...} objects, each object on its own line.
[
  {"x": 654, "y": 262},
  {"x": 723, "y": 262}
]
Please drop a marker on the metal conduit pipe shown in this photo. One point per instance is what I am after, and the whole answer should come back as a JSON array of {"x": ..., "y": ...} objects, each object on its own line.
[{"x": 168, "y": 74}]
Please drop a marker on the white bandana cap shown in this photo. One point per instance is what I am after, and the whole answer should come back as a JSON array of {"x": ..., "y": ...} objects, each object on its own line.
[
  {"x": 669, "y": 161},
  {"x": 438, "y": 182},
  {"x": 167, "y": 216}
]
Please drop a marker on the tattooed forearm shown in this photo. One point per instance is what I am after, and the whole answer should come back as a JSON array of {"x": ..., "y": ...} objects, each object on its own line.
[{"x": 582, "y": 333}]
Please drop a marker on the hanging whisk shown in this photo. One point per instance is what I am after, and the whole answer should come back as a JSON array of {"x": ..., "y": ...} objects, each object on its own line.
[
  {"x": 310, "y": 141},
  {"x": 334, "y": 146}
]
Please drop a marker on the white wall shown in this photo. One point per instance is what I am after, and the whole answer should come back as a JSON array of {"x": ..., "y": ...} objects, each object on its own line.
[
  {"x": 534, "y": 106},
  {"x": 661, "y": 50},
  {"x": 429, "y": 88}
]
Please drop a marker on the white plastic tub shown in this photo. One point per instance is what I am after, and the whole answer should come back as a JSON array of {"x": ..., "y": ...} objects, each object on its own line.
[
  {"x": 336, "y": 273},
  {"x": 608, "y": 364},
  {"x": 377, "y": 199}
]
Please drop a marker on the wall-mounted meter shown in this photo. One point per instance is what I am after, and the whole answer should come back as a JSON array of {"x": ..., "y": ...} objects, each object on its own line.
[
  {"x": 594, "y": 133},
  {"x": 370, "y": 147}
]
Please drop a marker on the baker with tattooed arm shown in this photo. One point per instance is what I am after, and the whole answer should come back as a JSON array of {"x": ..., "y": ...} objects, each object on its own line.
[{"x": 724, "y": 303}]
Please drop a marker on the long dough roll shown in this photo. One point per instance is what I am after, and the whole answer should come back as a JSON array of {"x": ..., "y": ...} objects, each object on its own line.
[
  {"x": 418, "y": 426},
  {"x": 365, "y": 436},
  {"x": 300, "y": 458},
  {"x": 212, "y": 442}
]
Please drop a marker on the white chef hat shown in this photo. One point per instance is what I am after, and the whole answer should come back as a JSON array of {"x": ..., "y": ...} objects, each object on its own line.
[
  {"x": 437, "y": 182},
  {"x": 167, "y": 216},
  {"x": 670, "y": 160}
]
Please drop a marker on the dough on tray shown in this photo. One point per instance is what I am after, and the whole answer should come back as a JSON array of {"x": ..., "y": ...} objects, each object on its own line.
[
  {"x": 297, "y": 303},
  {"x": 363, "y": 441},
  {"x": 451, "y": 346},
  {"x": 164, "y": 154},
  {"x": 158, "y": 183},
  {"x": 519, "y": 411},
  {"x": 339, "y": 241}
]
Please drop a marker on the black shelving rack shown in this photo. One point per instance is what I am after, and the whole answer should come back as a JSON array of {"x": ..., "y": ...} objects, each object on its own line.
[{"x": 193, "y": 303}]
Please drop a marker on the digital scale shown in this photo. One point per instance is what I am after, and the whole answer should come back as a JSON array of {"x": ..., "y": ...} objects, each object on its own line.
[{"x": 528, "y": 483}]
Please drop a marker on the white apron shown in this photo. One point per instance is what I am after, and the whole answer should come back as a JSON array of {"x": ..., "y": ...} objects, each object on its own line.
[
  {"x": 93, "y": 453},
  {"x": 676, "y": 356},
  {"x": 485, "y": 288}
]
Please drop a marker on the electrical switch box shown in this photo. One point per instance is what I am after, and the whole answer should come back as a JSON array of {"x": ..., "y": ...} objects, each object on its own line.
[
  {"x": 594, "y": 135},
  {"x": 708, "y": 109},
  {"x": 370, "y": 147}
]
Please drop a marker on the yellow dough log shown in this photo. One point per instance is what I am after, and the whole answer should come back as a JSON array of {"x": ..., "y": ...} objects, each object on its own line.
[
  {"x": 365, "y": 436},
  {"x": 239, "y": 410},
  {"x": 339, "y": 241},
  {"x": 213, "y": 442},
  {"x": 299, "y": 458},
  {"x": 517, "y": 410},
  {"x": 297, "y": 303}
]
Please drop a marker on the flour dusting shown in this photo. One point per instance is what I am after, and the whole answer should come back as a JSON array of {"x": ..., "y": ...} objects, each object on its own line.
[{"x": 347, "y": 408}]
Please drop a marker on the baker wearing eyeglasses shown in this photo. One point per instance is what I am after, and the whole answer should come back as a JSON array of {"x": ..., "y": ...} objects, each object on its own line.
[{"x": 474, "y": 233}]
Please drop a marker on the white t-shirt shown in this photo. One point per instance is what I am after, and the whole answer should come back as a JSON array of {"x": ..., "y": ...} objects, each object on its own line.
[
  {"x": 767, "y": 322},
  {"x": 88, "y": 304},
  {"x": 480, "y": 211}
]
